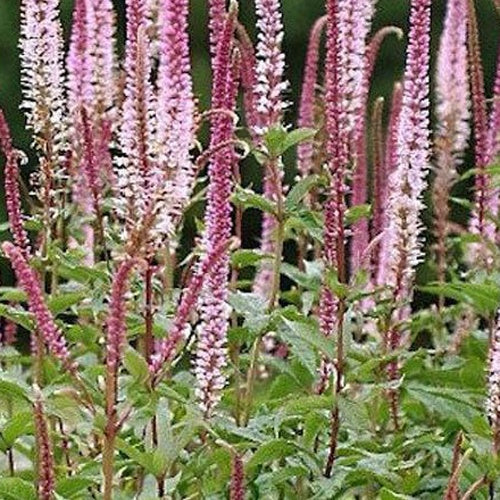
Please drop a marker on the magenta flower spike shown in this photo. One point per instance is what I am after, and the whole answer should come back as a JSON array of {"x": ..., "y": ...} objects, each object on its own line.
[
  {"x": 338, "y": 159},
  {"x": 305, "y": 150},
  {"x": 166, "y": 348},
  {"x": 12, "y": 195},
  {"x": 269, "y": 105},
  {"x": 136, "y": 137},
  {"x": 116, "y": 326},
  {"x": 42, "y": 75},
  {"x": 29, "y": 281},
  {"x": 217, "y": 13},
  {"x": 407, "y": 181},
  {"x": 46, "y": 477},
  {"x": 214, "y": 311},
  {"x": 175, "y": 109}
]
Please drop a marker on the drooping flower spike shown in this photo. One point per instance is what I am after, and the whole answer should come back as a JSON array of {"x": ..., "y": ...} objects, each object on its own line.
[
  {"x": 12, "y": 195},
  {"x": 30, "y": 283},
  {"x": 212, "y": 330},
  {"x": 493, "y": 402},
  {"x": 305, "y": 150}
]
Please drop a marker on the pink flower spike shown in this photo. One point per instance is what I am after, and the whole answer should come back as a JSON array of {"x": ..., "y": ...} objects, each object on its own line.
[
  {"x": 305, "y": 150},
  {"x": 408, "y": 181},
  {"x": 217, "y": 13},
  {"x": 212, "y": 330},
  {"x": 12, "y": 195},
  {"x": 46, "y": 477},
  {"x": 176, "y": 107},
  {"x": 30, "y": 283},
  {"x": 115, "y": 326}
]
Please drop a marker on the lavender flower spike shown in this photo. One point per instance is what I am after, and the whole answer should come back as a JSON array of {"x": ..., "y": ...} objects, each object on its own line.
[
  {"x": 12, "y": 195},
  {"x": 30, "y": 283},
  {"x": 46, "y": 478},
  {"x": 305, "y": 150},
  {"x": 211, "y": 353}
]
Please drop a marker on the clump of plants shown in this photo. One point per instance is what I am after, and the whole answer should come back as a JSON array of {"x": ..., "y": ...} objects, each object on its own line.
[{"x": 170, "y": 362}]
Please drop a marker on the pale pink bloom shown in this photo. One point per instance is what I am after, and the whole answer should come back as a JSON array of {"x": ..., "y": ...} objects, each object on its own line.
[
  {"x": 30, "y": 283},
  {"x": 42, "y": 77}
]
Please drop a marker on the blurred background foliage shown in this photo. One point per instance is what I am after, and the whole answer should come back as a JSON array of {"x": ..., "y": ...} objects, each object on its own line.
[{"x": 299, "y": 16}]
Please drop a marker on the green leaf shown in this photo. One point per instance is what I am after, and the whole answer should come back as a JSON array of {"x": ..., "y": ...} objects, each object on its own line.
[
  {"x": 13, "y": 389},
  {"x": 135, "y": 364},
  {"x": 297, "y": 136},
  {"x": 20, "y": 424},
  {"x": 247, "y": 198},
  {"x": 309, "y": 332},
  {"x": 300, "y": 190},
  {"x": 61, "y": 302},
  {"x": 12, "y": 294},
  {"x": 247, "y": 258},
  {"x": 14, "y": 488},
  {"x": 484, "y": 297},
  {"x": 18, "y": 316},
  {"x": 73, "y": 487},
  {"x": 270, "y": 451}
]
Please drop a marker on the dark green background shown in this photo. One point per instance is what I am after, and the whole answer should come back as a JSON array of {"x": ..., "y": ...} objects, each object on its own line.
[{"x": 299, "y": 16}]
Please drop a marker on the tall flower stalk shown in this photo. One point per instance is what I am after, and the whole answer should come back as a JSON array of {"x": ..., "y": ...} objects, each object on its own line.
[
  {"x": 407, "y": 182},
  {"x": 270, "y": 105},
  {"x": 493, "y": 403},
  {"x": 214, "y": 310},
  {"x": 453, "y": 113}
]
